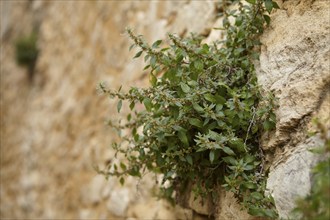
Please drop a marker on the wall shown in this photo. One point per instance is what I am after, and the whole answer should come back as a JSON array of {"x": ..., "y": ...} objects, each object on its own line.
[
  {"x": 294, "y": 64},
  {"x": 53, "y": 132}
]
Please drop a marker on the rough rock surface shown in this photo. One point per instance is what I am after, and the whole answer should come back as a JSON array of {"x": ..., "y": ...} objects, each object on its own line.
[
  {"x": 295, "y": 65},
  {"x": 229, "y": 209},
  {"x": 292, "y": 179}
]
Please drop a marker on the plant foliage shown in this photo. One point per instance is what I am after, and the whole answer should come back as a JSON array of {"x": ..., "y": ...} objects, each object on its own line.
[
  {"x": 203, "y": 113},
  {"x": 26, "y": 53},
  {"x": 26, "y": 50}
]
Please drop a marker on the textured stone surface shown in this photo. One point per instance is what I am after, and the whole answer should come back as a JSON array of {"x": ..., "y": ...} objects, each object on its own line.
[
  {"x": 229, "y": 209},
  {"x": 202, "y": 206},
  {"x": 292, "y": 179},
  {"x": 294, "y": 64}
]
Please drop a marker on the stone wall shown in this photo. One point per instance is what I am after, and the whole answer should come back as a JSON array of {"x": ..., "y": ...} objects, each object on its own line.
[
  {"x": 295, "y": 65},
  {"x": 53, "y": 132}
]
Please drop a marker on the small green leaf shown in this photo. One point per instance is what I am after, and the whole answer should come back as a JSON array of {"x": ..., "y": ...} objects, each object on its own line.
[
  {"x": 210, "y": 98},
  {"x": 220, "y": 100},
  {"x": 131, "y": 47},
  {"x": 256, "y": 212},
  {"x": 146, "y": 67},
  {"x": 248, "y": 167},
  {"x": 211, "y": 155},
  {"x": 146, "y": 58},
  {"x": 238, "y": 144},
  {"x": 239, "y": 21},
  {"x": 160, "y": 160},
  {"x": 123, "y": 166},
  {"x": 230, "y": 160},
  {"x": 169, "y": 174},
  {"x": 251, "y": 1},
  {"x": 256, "y": 195},
  {"x": 177, "y": 103},
  {"x": 198, "y": 64},
  {"x": 156, "y": 44},
  {"x": 267, "y": 19},
  {"x": 153, "y": 79},
  {"x": 192, "y": 83},
  {"x": 219, "y": 107},
  {"x": 228, "y": 151},
  {"x": 197, "y": 107},
  {"x": 238, "y": 51},
  {"x": 248, "y": 158},
  {"x": 132, "y": 105},
  {"x": 138, "y": 54},
  {"x": 205, "y": 49},
  {"x": 178, "y": 128},
  {"x": 122, "y": 181},
  {"x": 148, "y": 104},
  {"x": 268, "y": 125},
  {"x": 250, "y": 185},
  {"x": 183, "y": 137},
  {"x": 165, "y": 49},
  {"x": 189, "y": 159},
  {"x": 196, "y": 122},
  {"x": 275, "y": 5},
  {"x": 270, "y": 213},
  {"x": 119, "y": 105},
  {"x": 185, "y": 88},
  {"x": 269, "y": 5},
  {"x": 153, "y": 61}
]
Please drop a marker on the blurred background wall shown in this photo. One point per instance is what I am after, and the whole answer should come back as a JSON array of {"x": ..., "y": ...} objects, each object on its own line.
[{"x": 52, "y": 128}]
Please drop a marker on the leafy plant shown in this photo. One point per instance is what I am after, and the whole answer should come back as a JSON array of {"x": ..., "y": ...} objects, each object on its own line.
[
  {"x": 203, "y": 113},
  {"x": 316, "y": 205},
  {"x": 26, "y": 52}
]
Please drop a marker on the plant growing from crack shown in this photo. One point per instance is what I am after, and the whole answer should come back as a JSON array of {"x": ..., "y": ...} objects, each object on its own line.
[
  {"x": 204, "y": 113},
  {"x": 26, "y": 52}
]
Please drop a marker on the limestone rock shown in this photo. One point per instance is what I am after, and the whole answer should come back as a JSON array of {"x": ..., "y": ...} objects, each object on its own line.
[
  {"x": 119, "y": 201},
  {"x": 201, "y": 206},
  {"x": 294, "y": 64},
  {"x": 293, "y": 178},
  {"x": 158, "y": 209},
  {"x": 98, "y": 189},
  {"x": 229, "y": 209}
]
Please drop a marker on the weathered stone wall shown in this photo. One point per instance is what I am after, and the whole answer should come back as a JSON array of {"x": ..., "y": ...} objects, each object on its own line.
[
  {"x": 52, "y": 130},
  {"x": 295, "y": 65}
]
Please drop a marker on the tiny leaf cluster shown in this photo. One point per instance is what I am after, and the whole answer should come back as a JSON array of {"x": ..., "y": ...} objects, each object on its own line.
[
  {"x": 26, "y": 50},
  {"x": 203, "y": 113}
]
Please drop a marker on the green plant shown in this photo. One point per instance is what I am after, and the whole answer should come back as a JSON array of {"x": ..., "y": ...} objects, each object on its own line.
[
  {"x": 27, "y": 52},
  {"x": 316, "y": 205},
  {"x": 203, "y": 113}
]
